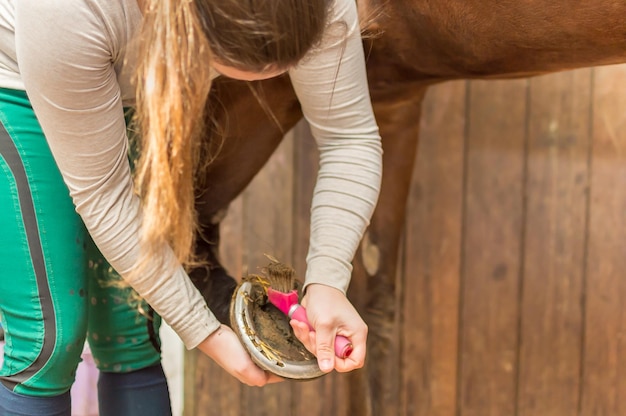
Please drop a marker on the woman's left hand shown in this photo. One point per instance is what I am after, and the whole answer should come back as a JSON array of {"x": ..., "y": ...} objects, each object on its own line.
[{"x": 330, "y": 313}]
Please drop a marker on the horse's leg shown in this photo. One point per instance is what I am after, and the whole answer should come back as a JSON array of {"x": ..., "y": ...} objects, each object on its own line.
[
  {"x": 374, "y": 278},
  {"x": 246, "y": 137}
]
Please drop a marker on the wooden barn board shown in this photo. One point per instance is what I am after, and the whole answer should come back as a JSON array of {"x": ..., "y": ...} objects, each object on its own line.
[
  {"x": 492, "y": 230},
  {"x": 555, "y": 211},
  {"x": 432, "y": 256},
  {"x": 604, "y": 362}
]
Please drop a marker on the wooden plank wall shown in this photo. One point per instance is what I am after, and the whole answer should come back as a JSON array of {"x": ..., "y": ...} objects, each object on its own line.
[{"x": 513, "y": 270}]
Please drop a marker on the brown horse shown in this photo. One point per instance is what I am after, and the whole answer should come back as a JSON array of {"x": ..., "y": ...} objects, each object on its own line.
[{"x": 410, "y": 45}]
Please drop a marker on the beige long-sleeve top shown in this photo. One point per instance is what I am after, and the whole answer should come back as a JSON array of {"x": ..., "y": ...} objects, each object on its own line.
[{"x": 71, "y": 57}]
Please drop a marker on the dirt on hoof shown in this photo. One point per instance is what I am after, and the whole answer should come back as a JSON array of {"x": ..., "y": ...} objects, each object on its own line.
[{"x": 272, "y": 326}]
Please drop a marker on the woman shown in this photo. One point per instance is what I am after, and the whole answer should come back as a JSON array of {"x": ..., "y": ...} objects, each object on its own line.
[{"x": 68, "y": 72}]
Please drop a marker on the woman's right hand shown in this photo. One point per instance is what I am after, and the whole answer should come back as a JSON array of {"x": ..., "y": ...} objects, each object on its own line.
[{"x": 226, "y": 350}]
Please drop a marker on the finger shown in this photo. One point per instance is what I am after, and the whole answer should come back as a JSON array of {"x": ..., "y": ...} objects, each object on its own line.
[
  {"x": 273, "y": 378},
  {"x": 325, "y": 349},
  {"x": 357, "y": 357},
  {"x": 249, "y": 373},
  {"x": 302, "y": 332},
  {"x": 254, "y": 376},
  {"x": 353, "y": 362}
]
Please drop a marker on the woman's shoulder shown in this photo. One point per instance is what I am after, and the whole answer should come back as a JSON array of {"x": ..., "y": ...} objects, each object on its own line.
[
  {"x": 109, "y": 24},
  {"x": 114, "y": 14}
]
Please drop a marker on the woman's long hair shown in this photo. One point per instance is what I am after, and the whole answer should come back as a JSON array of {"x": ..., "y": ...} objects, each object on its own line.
[{"x": 179, "y": 40}]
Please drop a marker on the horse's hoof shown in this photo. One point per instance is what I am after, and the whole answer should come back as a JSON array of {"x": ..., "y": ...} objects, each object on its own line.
[{"x": 265, "y": 332}]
